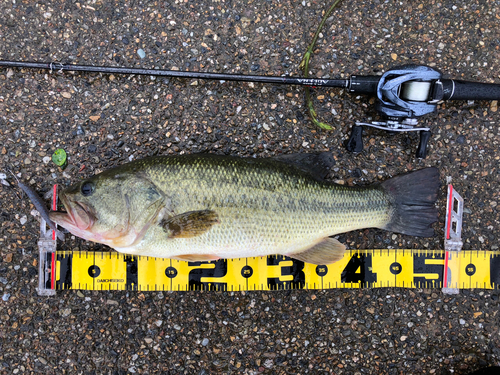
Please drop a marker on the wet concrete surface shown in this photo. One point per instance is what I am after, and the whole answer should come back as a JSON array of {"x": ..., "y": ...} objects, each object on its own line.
[{"x": 106, "y": 120}]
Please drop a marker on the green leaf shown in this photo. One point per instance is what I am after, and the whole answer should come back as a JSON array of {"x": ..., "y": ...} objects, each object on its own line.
[{"x": 59, "y": 157}]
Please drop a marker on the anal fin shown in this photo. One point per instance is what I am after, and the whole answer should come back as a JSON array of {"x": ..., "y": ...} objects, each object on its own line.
[
  {"x": 196, "y": 257},
  {"x": 329, "y": 250}
]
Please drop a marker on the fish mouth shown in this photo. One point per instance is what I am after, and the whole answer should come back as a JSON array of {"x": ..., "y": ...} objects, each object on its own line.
[{"x": 77, "y": 216}]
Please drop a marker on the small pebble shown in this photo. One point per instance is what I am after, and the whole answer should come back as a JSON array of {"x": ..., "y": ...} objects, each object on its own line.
[
  {"x": 141, "y": 53},
  {"x": 269, "y": 363},
  {"x": 6, "y": 297},
  {"x": 494, "y": 105},
  {"x": 204, "y": 342},
  {"x": 80, "y": 130}
]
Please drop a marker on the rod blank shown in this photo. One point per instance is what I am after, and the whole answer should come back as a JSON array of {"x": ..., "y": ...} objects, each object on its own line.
[{"x": 177, "y": 73}]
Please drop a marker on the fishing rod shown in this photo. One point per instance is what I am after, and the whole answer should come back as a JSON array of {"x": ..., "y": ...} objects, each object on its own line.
[
  {"x": 178, "y": 73},
  {"x": 404, "y": 93}
]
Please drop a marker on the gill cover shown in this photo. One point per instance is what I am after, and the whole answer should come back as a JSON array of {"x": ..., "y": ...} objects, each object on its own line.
[{"x": 112, "y": 208}]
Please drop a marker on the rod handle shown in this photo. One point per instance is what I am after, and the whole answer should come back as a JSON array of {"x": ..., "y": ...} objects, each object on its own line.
[
  {"x": 464, "y": 90},
  {"x": 364, "y": 84}
]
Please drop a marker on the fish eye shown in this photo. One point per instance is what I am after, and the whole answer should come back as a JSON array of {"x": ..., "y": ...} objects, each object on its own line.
[{"x": 87, "y": 188}]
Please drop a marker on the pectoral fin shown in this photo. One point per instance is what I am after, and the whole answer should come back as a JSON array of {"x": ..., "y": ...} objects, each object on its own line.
[
  {"x": 189, "y": 224},
  {"x": 327, "y": 251}
]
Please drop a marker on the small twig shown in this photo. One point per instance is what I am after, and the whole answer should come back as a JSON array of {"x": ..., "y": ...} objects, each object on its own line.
[{"x": 304, "y": 65}]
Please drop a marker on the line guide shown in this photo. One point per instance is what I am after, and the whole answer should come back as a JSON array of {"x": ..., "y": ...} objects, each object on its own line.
[{"x": 450, "y": 269}]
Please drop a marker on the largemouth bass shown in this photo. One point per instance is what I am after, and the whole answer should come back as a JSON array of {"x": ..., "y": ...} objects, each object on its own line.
[{"x": 205, "y": 207}]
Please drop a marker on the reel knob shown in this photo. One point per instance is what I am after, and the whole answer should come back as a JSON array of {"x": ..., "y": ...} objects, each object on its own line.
[
  {"x": 355, "y": 142},
  {"x": 422, "y": 146}
]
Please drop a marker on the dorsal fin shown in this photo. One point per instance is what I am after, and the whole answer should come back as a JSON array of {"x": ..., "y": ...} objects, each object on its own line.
[{"x": 316, "y": 164}]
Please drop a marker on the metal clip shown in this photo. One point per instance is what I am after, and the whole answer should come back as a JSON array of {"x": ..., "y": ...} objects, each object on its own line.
[
  {"x": 47, "y": 245},
  {"x": 452, "y": 241}
]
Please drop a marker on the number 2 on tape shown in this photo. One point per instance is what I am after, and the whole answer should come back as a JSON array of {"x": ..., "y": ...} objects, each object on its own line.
[{"x": 218, "y": 270}]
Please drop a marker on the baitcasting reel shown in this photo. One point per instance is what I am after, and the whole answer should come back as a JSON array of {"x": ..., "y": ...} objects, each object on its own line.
[{"x": 407, "y": 92}]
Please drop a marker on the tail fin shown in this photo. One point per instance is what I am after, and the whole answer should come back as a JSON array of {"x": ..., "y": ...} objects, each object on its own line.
[{"x": 413, "y": 196}]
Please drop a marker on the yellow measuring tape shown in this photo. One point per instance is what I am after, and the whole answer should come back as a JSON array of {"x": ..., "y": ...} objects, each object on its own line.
[{"x": 358, "y": 269}]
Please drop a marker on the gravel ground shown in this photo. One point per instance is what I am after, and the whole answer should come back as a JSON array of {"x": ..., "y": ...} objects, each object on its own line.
[{"x": 106, "y": 120}]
